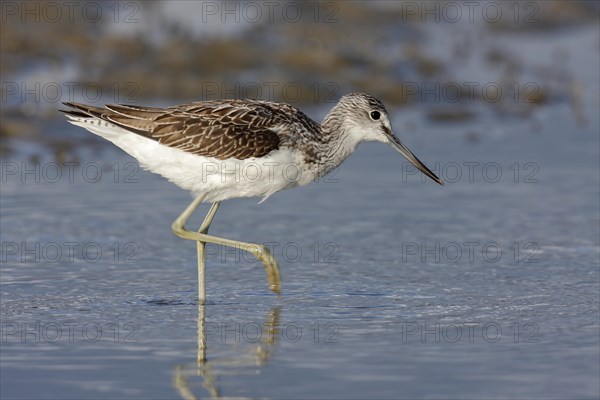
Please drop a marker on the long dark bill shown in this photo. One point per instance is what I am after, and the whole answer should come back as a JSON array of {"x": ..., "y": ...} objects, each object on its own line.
[{"x": 402, "y": 149}]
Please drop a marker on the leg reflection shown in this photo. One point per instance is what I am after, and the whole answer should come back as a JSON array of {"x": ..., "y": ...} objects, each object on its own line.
[{"x": 210, "y": 369}]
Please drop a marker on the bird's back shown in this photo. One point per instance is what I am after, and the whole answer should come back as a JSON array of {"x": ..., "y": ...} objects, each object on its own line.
[{"x": 221, "y": 129}]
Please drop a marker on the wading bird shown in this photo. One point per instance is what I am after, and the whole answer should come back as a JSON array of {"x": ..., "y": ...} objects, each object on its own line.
[{"x": 202, "y": 146}]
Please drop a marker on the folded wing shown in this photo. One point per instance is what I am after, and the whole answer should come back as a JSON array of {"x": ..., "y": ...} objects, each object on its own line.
[{"x": 220, "y": 129}]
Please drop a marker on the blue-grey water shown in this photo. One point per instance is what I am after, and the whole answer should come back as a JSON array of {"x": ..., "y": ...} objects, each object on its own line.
[{"x": 393, "y": 287}]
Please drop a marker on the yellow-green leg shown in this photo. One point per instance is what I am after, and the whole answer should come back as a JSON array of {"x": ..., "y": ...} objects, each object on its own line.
[
  {"x": 202, "y": 254},
  {"x": 261, "y": 252}
]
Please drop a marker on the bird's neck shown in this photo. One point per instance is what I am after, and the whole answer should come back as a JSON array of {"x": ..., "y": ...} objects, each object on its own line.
[{"x": 337, "y": 144}]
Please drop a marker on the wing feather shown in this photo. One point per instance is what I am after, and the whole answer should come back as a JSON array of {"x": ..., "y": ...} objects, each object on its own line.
[{"x": 221, "y": 129}]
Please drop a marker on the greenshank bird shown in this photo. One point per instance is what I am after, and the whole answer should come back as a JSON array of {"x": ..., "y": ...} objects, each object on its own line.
[{"x": 227, "y": 149}]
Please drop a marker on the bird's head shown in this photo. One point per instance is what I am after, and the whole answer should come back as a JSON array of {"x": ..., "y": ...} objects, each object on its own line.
[{"x": 364, "y": 118}]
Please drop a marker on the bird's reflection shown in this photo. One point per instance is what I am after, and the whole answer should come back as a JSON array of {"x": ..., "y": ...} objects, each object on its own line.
[{"x": 209, "y": 369}]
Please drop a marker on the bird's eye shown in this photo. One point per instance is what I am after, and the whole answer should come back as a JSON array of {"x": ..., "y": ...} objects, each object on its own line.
[{"x": 375, "y": 115}]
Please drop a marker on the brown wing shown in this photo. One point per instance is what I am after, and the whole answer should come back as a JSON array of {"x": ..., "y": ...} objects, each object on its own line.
[{"x": 220, "y": 129}]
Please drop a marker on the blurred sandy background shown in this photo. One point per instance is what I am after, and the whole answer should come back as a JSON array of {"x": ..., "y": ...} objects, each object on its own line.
[{"x": 446, "y": 59}]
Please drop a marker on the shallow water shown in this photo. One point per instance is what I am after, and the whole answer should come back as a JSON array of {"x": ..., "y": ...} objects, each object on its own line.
[
  {"x": 393, "y": 287},
  {"x": 387, "y": 291}
]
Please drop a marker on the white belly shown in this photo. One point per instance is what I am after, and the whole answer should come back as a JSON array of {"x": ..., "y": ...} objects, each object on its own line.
[{"x": 213, "y": 178}]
